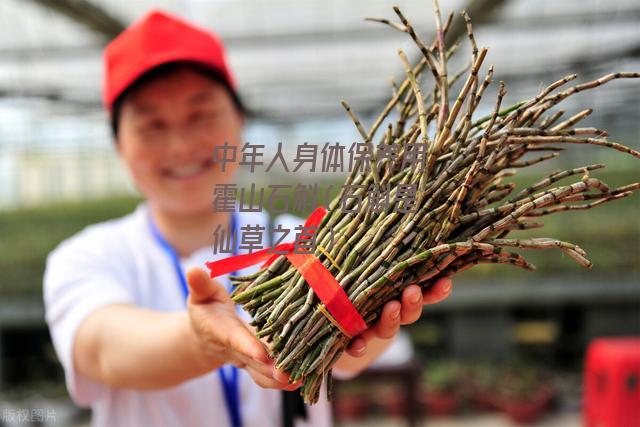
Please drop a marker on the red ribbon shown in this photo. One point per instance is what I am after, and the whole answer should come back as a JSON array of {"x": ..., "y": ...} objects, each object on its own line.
[{"x": 325, "y": 286}]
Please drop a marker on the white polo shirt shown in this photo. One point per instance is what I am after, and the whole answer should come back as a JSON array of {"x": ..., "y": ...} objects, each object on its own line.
[{"x": 119, "y": 261}]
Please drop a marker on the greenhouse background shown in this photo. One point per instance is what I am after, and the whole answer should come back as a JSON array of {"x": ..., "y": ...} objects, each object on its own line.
[{"x": 294, "y": 62}]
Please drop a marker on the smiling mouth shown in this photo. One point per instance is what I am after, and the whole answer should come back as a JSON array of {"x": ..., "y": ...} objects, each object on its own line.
[{"x": 188, "y": 171}]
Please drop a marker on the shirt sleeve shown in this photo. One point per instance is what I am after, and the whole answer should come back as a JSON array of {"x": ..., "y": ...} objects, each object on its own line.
[{"x": 80, "y": 276}]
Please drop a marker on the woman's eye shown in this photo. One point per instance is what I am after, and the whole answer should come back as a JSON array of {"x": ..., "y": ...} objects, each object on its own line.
[
  {"x": 153, "y": 126},
  {"x": 204, "y": 117}
]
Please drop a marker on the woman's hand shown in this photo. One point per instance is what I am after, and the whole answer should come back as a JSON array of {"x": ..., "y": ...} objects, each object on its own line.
[
  {"x": 222, "y": 337},
  {"x": 396, "y": 313}
]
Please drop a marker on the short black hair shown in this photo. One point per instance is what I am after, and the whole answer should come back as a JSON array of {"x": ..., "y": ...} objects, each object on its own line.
[{"x": 167, "y": 69}]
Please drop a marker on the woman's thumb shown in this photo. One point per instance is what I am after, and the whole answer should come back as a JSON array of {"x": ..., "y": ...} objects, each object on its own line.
[{"x": 203, "y": 289}]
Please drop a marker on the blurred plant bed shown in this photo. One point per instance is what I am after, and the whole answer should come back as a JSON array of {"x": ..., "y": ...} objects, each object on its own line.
[
  {"x": 358, "y": 400},
  {"x": 523, "y": 392},
  {"x": 28, "y": 235},
  {"x": 479, "y": 385},
  {"x": 352, "y": 403},
  {"x": 389, "y": 399},
  {"x": 441, "y": 394}
]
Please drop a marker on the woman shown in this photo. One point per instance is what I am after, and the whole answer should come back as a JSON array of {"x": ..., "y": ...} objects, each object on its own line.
[{"x": 115, "y": 293}]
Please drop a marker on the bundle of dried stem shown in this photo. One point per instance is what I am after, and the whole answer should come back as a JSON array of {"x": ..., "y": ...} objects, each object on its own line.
[{"x": 462, "y": 216}]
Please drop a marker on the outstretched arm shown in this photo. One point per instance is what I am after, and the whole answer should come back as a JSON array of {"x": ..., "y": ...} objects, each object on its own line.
[{"x": 131, "y": 347}]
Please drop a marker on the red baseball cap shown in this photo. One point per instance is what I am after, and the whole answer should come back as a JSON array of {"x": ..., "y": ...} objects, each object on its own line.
[{"x": 156, "y": 39}]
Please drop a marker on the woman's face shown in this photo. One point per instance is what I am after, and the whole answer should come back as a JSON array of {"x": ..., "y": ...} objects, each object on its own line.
[{"x": 167, "y": 133}]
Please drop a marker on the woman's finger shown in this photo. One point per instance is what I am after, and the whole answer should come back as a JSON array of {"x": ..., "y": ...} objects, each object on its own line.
[
  {"x": 203, "y": 289},
  {"x": 249, "y": 350},
  {"x": 268, "y": 382},
  {"x": 357, "y": 347},
  {"x": 389, "y": 323},
  {"x": 265, "y": 369},
  {"x": 437, "y": 292},
  {"x": 411, "y": 305}
]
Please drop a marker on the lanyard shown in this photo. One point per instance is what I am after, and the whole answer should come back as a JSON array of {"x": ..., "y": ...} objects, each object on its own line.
[{"x": 229, "y": 380}]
